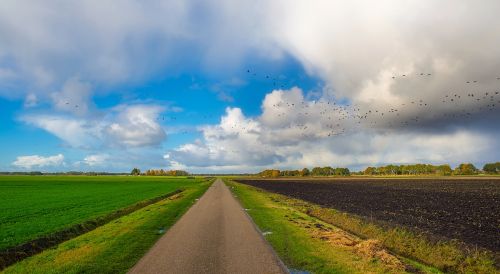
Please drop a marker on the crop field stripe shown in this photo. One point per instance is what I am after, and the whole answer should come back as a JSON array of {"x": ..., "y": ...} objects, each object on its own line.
[{"x": 18, "y": 253}]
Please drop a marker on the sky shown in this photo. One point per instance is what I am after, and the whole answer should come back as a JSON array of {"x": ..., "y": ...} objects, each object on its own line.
[{"x": 222, "y": 86}]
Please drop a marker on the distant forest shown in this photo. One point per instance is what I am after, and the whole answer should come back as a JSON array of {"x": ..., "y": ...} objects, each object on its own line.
[{"x": 416, "y": 169}]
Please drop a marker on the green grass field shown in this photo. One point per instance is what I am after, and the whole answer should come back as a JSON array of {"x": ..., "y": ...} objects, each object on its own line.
[
  {"x": 35, "y": 206},
  {"x": 116, "y": 246}
]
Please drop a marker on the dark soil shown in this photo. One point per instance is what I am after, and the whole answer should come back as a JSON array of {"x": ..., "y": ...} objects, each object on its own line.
[{"x": 463, "y": 209}]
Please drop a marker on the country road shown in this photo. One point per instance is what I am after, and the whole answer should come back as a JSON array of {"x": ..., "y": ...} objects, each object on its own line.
[{"x": 214, "y": 236}]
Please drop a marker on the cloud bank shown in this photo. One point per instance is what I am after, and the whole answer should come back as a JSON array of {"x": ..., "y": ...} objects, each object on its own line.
[
  {"x": 36, "y": 161},
  {"x": 123, "y": 126},
  {"x": 299, "y": 133}
]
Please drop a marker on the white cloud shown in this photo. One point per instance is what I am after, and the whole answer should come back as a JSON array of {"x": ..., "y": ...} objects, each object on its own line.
[
  {"x": 96, "y": 159},
  {"x": 136, "y": 126},
  {"x": 358, "y": 46},
  {"x": 122, "y": 126},
  {"x": 105, "y": 44},
  {"x": 75, "y": 132},
  {"x": 36, "y": 161},
  {"x": 235, "y": 141},
  {"x": 97, "y": 40},
  {"x": 355, "y": 46},
  {"x": 293, "y": 132}
]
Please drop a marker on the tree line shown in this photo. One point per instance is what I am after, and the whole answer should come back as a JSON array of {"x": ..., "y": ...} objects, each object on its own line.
[
  {"x": 161, "y": 172},
  {"x": 415, "y": 169},
  {"x": 317, "y": 171},
  {"x": 425, "y": 169}
]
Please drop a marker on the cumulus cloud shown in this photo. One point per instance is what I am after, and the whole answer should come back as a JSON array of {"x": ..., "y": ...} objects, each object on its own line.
[
  {"x": 136, "y": 126},
  {"x": 295, "y": 132},
  {"x": 122, "y": 126},
  {"x": 234, "y": 141},
  {"x": 75, "y": 132},
  {"x": 95, "y": 159},
  {"x": 36, "y": 161},
  {"x": 356, "y": 46},
  {"x": 413, "y": 86}
]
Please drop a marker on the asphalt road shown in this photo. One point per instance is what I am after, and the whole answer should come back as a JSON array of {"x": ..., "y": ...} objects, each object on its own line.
[{"x": 214, "y": 236}]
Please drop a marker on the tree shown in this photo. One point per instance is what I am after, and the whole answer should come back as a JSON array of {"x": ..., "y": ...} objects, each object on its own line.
[
  {"x": 465, "y": 169},
  {"x": 305, "y": 172},
  {"x": 162, "y": 172},
  {"x": 317, "y": 171},
  {"x": 342, "y": 171},
  {"x": 271, "y": 173},
  {"x": 492, "y": 168},
  {"x": 444, "y": 170},
  {"x": 369, "y": 171},
  {"x": 135, "y": 172},
  {"x": 289, "y": 173},
  {"x": 328, "y": 171}
]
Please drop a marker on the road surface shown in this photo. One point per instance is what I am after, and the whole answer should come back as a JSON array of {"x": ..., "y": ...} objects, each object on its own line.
[{"x": 214, "y": 236}]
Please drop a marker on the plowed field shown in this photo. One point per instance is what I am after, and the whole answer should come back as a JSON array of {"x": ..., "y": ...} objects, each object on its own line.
[{"x": 464, "y": 209}]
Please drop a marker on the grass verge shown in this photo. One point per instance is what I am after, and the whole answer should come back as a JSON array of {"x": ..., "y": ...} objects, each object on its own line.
[
  {"x": 116, "y": 246},
  {"x": 448, "y": 256},
  {"x": 308, "y": 237}
]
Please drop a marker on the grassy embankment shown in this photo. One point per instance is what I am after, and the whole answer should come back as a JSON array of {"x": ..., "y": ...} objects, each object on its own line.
[
  {"x": 307, "y": 237},
  {"x": 116, "y": 246}
]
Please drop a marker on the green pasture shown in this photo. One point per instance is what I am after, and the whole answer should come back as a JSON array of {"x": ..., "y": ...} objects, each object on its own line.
[
  {"x": 34, "y": 206},
  {"x": 116, "y": 246}
]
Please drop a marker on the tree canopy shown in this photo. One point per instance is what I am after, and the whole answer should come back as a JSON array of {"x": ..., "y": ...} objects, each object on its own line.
[
  {"x": 416, "y": 169},
  {"x": 465, "y": 169},
  {"x": 492, "y": 168},
  {"x": 161, "y": 172},
  {"x": 135, "y": 171},
  {"x": 317, "y": 171}
]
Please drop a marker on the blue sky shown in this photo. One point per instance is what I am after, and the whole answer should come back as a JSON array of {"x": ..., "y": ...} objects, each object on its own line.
[{"x": 239, "y": 87}]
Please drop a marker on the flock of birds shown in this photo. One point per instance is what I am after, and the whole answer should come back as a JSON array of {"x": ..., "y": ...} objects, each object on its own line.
[
  {"x": 327, "y": 118},
  {"x": 67, "y": 103}
]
